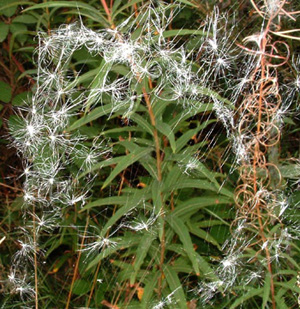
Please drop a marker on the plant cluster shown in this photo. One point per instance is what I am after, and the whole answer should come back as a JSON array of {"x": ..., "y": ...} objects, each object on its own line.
[{"x": 123, "y": 205}]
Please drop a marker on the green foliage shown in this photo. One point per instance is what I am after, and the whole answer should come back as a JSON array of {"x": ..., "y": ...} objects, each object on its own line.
[
  {"x": 145, "y": 266},
  {"x": 5, "y": 92}
]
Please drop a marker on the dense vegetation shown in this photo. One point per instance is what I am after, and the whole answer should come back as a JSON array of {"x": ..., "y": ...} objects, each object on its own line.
[{"x": 149, "y": 154}]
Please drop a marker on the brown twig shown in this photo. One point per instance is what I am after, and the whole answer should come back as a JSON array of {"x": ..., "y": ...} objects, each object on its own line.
[
  {"x": 155, "y": 134},
  {"x": 18, "y": 64},
  {"x": 10, "y": 187},
  {"x": 108, "y": 12},
  {"x": 265, "y": 135}
]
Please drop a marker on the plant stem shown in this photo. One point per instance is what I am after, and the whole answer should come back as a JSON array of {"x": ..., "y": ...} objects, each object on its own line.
[
  {"x": 256, "y": 158},
  {"x": 35, "y": 261},
  {"x": 156, "y": 140},
  {"x": 77, "y": 263},
  {"x": 94, "y": 283},
  {"x": 161, "y": 261},
  {"x": 159, "y": 178},
  {"x": 107, "y": 11}
]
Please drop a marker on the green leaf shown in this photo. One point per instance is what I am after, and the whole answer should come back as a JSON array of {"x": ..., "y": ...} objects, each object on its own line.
[
  {"x": 181, "y": 230},
  {"x": 5, "y": 92},
  {"x": 149, "y": 164},
  {"x": 290, "y": 285},
  {"x": 100, "y": 294},
  {"x": 267, "y": 289},
  {"x": 210, "y": 223},
  {"x": 157, "y": 199},
  {"x": 68, "y": 4},
  {"x": 4, "y": 28},
  {"x": 280, "y": 302},
  {"x": 174, "y": 175},
  {"x": 157, "y": 195},
  {"x": 17, "y": 27},
  {"x": 179, "y": 32},
  {"x": 187, "y": 208},
  {"x": 25, "y": 19},
  {"x": 80, "y": 287},
  {"x": 193, "y": 183},
  {"x": 27, "y": 72},
  {"x": 291, "y": 260},
  {"x": 142, "y": 123},
  {"x": 17, "y": 203},
  {"x": 166, "y": 130},
  {"x": 158, "y": 106},
  {"x": 116, "y": 4},
  {"x": 215, "y": 96},
  {"x": 148, "y": 290},
  {"x": 21, "y": 98},
  {"x": 93, "y": 115},
  {"x": 290, "y": 171},
  {"x": 202, "y": 234},
  {"x": 182, "y": 140},
  {"x": 98, "y": 82},
  {"x": 124, "y": 7},
  {"x": 141, "y": 254},
  {"x": 289, "y": 120},
  {"x": 95, "y": 16},
  {"x": 86, "y": 77},
  {"x": 102, "y": 164},
  {"x": 182, "y": 265},
  {"x": 187, "y": 2},
  {"x": 247, "y": 295},
  {"x": 124, "y": 274},
  {"x": 121, "y": 245},
  {"x": 192, "y": 163},
  {"x": 19, "y": 33},
  {"x": 112, "y": 200},
  {"x": 175, "y": 286},
  {"x": 207, "y": 272},
  {"x": 132, "y": 203},
  {"x": 120, "y": 69},
  {"x": 125, "y": 162},
  {"x": 8, "y": 8},
  {"x": 177, "y": 121}
]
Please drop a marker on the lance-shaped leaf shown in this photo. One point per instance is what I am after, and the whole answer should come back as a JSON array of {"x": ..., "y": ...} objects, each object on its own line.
[
  {"x": 66, "y": 4},
  {"x": 166, "y": 130},
  {"x": 251, "y": 293},
  {"x": 149, "y": 289},
  {"x": 125, "y": 162},
  {"x": 187, "y": 208},
  {"x": 141, "y": 253},
  {"x": 182, "y": 231},
  {"x": 174, "y": 283}
]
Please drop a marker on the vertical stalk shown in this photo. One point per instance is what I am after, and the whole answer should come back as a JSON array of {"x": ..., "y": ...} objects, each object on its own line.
[
  {"x": 156, "y": 140},
  {"x": 257, "y": 153},
  {"x": 108, "y": 12},
  {"x": 77, "y": 264},
  {"x": 263, "y": 68},
  {"x": 35, "y": 261},
  {"x": 99, "y": 263},
  {"x": 161, "y": 261},
  {"x": 159, "y": 178},
  {"x": 94, "y": 283}
]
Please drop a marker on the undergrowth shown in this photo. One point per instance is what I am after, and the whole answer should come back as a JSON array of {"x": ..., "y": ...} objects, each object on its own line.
[{"x": 155, "y": 170}]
